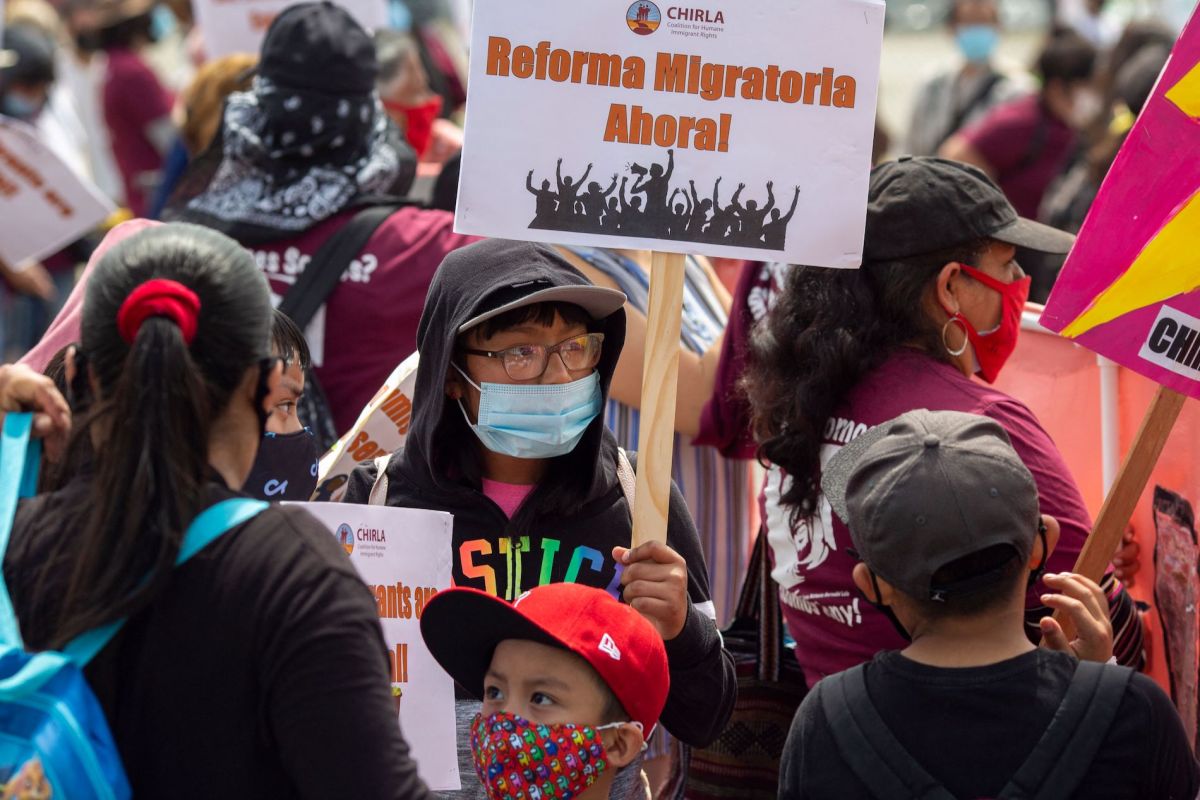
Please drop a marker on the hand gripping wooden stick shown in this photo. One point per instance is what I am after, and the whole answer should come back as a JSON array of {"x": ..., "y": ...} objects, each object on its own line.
[{"x": 1122, "y": 498}]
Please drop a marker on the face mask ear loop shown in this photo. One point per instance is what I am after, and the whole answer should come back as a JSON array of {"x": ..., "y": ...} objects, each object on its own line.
[
  {"x": 613, "y": 725},
  {"x": 886, "y": 610},
  {"x": 477, "y": 387},
  {"x": 1037, "y": 574}
]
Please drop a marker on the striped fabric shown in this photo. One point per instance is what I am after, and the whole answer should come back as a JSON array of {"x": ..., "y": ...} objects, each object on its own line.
[{"x": 717, "y": 490}]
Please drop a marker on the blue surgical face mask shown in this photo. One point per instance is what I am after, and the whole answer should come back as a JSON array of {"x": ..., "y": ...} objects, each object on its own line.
[
  {"x": 535, "y": 420},
  {"x": 19, "y": 107},
  {"x": 162, "y": 23},
  {"x": 977, "y": 42}
]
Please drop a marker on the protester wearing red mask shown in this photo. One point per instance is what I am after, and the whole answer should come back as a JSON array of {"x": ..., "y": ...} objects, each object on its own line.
[{"x": 937, "y": 301}]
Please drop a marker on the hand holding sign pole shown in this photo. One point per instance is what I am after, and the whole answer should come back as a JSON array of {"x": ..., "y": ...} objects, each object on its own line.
[{"x": 1129, "y": 288}]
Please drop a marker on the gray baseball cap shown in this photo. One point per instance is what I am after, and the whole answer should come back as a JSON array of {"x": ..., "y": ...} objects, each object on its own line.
[{"x": 930, "y": 487}]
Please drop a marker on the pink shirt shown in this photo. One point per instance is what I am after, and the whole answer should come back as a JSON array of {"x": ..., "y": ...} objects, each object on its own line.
[{"x": 508, "y": 496}]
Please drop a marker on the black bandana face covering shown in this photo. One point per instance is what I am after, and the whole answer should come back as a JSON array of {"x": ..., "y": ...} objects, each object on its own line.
[{"x": 285, "y": 468}]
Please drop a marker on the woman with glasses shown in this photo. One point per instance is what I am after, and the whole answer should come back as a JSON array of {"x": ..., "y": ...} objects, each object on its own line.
[{"x": 518, "y": 351}]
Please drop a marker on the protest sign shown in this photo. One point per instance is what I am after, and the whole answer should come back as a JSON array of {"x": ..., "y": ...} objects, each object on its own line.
[
  {"x": 733, "y": 130},
  {"x": 1129, "y": 287},
  {"x": 739, "y": 130},
  {"x": 403, "y": 555},
  {"x": 43, "y": 204},
  {"x": 238, "y": 26},
  {"x": 381, "y": 429}
]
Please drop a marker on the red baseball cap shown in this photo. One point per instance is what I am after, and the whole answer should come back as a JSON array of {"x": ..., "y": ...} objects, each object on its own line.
[{"x": 463, "y": 626}]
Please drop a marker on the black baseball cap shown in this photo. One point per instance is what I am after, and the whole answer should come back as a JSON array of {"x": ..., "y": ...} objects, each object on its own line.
[
  {"x": 928, "y": 488},
  {"x": 319, "y": 47},
  {"x": 920, "y": 205}
]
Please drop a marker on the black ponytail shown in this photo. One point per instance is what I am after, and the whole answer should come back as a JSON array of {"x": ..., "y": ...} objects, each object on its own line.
[
  {"x": 829, "y": 329},
  {"x": 158, "y": 399}
]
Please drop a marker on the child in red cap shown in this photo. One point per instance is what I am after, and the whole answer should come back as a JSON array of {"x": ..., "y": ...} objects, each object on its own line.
[{"x": 572, "y": 683}]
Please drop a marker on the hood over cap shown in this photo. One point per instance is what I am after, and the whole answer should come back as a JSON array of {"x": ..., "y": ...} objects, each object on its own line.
[{"x": 481, "y": 278}]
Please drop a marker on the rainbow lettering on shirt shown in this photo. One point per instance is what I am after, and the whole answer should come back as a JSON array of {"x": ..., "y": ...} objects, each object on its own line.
[{"x": 480, "y": 559}]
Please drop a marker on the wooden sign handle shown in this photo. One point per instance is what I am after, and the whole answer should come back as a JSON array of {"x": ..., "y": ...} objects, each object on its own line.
[
  {"x": 660, "y": 377},
  {"x": 1118, "y": 507}
]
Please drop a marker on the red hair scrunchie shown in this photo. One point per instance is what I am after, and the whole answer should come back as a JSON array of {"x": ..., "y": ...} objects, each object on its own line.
[{"x": 159, "y": 297}]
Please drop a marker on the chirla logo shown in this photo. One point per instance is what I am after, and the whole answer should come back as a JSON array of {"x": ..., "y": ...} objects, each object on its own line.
[
  {"x": 345, "y": 535},
  {"x": 643, "y": 17}
]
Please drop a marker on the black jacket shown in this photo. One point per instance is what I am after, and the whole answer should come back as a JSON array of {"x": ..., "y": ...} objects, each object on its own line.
[
  {"x": 258, "y": 671},
  {"x": 542, "y": 544}
]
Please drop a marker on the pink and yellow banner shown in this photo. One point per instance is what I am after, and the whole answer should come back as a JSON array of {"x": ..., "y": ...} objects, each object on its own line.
[{"x": 1129, "y": 288}]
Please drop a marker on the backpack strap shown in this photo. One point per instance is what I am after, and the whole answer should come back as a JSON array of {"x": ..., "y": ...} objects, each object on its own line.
[
  {"x": 982, "y": 92},
  {"x": 379, "y": 489},
  {"x": 19, "y": 461},
  {"x": 627, "y": 477},
  {"x": 331, "y": 261},
  {"x": 208, "y": 526},
  {"x": 866, "y": 744},
  {"x": 1064, "y": 754}
]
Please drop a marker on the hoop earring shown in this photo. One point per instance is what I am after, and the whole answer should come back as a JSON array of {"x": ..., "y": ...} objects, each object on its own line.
[{"x": 946, "y": 344}]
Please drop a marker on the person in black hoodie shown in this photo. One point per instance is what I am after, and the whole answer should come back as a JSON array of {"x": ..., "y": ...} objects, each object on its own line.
[{"x": 546, "y": 506}]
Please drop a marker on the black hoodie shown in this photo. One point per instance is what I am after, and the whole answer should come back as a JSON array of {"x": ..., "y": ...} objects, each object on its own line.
[{"x": 541, "y": 545}]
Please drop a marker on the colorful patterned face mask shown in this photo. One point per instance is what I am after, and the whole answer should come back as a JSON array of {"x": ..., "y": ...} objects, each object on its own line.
[{"x": 518, "y": 760}]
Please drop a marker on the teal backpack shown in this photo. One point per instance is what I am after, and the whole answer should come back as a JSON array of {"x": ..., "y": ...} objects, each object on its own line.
[{"x": 54, "y": 739}]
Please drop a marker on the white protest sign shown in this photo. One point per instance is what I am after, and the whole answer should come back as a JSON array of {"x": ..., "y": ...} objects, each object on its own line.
[
  {"x": 238, "y": 26},
  {"x": 733, "y": 129},
  {"x": 403, "y": 555},
  {"x": 381, "y": 429},
  {"x": 43, "y": 204}
]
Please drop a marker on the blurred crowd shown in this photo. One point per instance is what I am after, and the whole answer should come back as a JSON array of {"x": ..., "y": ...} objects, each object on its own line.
[{"x": 123, "y": 91}]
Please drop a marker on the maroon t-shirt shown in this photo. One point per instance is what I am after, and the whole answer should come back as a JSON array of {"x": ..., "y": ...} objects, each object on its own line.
[
  {"x": 1027, "y": 148},
  {"x": 725, "y": 420},
  {"x": 133, "y": 101},
  {"x": 369, "y": 324},
  {"x": 833, "y": 625}
]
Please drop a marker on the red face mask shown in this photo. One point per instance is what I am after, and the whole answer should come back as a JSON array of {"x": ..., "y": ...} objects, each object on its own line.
[
  {"x": 993, "y": 348},
  {"x": 418, "y": 122}
]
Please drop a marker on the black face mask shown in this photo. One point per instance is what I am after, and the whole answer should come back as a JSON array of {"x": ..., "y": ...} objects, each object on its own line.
[
  {"x": 886, "y": 610},
  {"x": 285, "y": 468}
]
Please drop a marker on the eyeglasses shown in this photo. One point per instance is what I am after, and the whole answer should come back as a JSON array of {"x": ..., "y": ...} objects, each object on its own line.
[{"x": 526, "y": 362}]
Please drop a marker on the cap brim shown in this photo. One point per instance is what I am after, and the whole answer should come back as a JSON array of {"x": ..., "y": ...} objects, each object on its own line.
[
  {"x": 1035, "y": 236},
  {"x": 835, "y": 475},
  {"x": 598, "y": 301},
  {"x": 462, "y": 627}
]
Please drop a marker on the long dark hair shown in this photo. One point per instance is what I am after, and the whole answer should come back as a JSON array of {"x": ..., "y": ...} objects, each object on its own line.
[
  {"x": 830, "y": 328},
  {"x": 158, "y": 399}
]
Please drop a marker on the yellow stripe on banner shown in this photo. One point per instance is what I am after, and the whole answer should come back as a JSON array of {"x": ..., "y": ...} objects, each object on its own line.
[
  {"x": 1186, "y": 93},
  {"x": 1169, "y": 266}
]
